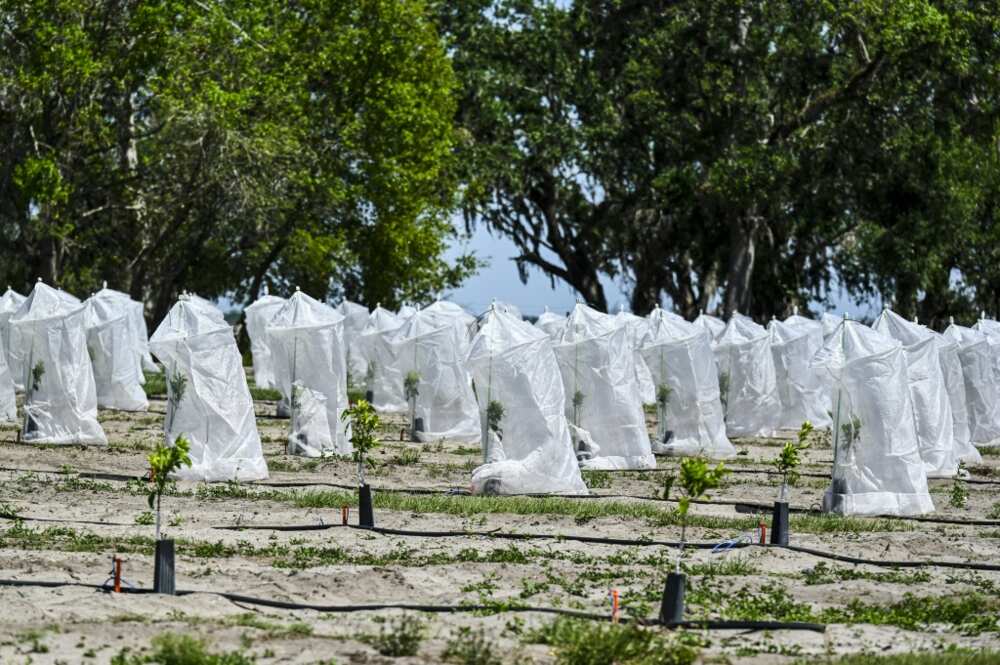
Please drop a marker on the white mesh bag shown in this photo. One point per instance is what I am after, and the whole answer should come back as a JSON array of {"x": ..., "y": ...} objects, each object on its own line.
[
  {"x": 800, "y": 388},
  {"x": 136, "y": 316},
  {"x": 355, "y": 319},
  {"x": 688, "y": 409},
  {"x": 638, "y": 328},
  {"x": 931, "y": 406},
  {"x": 528, "y": 449},
  {"x": 982, "y": 394},
  {"x": 307, "y": 340},
  {"x": 551, "y": 323},
  {"x": 115, "y": 354},
  {"x": 747, "y": 380},
  {"x": 877, "y": 467},
  {"x": 602, "y": 394},
  {"x": 713, "y": 325},
  {"x": 9, "y": 302},
  {"x": 257, "y": 317},
  {"x": 954, "y": 383},
  {"x": 208, "y": 401},
  {"x": 60, "y": 403}
]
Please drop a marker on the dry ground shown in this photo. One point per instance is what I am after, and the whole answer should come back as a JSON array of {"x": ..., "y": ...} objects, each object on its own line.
[{"x": 867, "y": 608}]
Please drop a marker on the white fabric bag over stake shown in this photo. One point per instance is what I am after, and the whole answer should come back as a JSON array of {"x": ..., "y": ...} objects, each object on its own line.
[
  {"x": 954, "y": 382},
  {"x": 713, "y": 325},
  {"x": 877, "y": 468},
  {"x": 355, "y": 320},
  {"x": 982, "y": 392},
  {"x": 747, "y": 381},
  {"x": 638, "y": 328},
  {"x": 208, "y": 401},
  {"x": 385, "y": 395},
  {"x": 60, "y": 404},
  {"x": 10, "y": 301},
  {"x": 115, "y": 354},
  {"x": 551, "y": 323},
  {"x": 931, "y": 406},
  {"x": 257, "y": 316},
  {"x": 521, "y": 404},
  {"x": 800, "y": 388},
  {"x": 603, "y": 404},
  {"x": 136, "y": 316},
  {"x": 307, "y": 339},
  {"x": 8, "y": 400},
  {"x": 689, "y": 412}
]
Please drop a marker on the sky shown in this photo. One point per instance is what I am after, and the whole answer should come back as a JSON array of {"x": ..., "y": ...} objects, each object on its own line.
[{"x": 500, "y": 280}]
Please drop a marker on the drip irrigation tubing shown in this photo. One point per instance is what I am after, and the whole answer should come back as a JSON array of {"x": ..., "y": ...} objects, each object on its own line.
[
  {"x": 967, "y": 565},
  {"x": 746, "y": 508},
  {"x": 711, "y": 624}
]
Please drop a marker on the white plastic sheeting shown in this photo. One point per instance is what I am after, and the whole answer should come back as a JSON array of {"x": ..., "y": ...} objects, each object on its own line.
[
  {"x": 385, "y": 396},
  {"x": 638, "y": 328},
  {"x": 551, "y": 323},
  {"x": 508, "y": 308},
  {"x": 801, "y": 388},
  {"x": 954, "y": 384},
  {"x": 432, "y": 345},
  {"x": 747, "y": 379},
  {"x": 9, "y": 302},
  {"x": 877, "y": 465},
  {"x": 355, "y": 319},
  {"x": 8, "y": 400},
  {"x": 206, "y": 307},
  {"x": 982, "y": 393},
  {"x": 712, "y": 324},
  {"x": 406, "y": 311},
  {"x": 115, "y": 353},
  {"x": 258, "y": 315},
  {"x": 690, "y": 420},
  {"x": 531, "y": 451},
  {"x": 830, "y": 323},
  {"x": 60, "y": 396},
  {"x": 307, "y": 339},
  {"x": 931, "y": 406},
  {"x": 136, "y": 315},
  {"x": 208, "y": 401},
  {"x": 597, "y": 364}
]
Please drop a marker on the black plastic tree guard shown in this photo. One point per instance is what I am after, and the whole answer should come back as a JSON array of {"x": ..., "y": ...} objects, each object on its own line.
[
  {"x": 672, "y": 605},
  {"x": 163, "y": 568},
  {"x": 369, "y": 396},
  {"x": 779, "y": 524},
  {"x": 366, "y": 510}
]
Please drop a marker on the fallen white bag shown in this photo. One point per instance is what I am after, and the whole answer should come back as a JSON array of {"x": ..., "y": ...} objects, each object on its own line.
[
  {"x": 307, "y": 340},
  {"x": 747, "y": 381},
  {"x": 800, "y": 387},
  {"x": 208, "y": 401},
  {"x": 60, "y": 403},
  {"x": 257, "y": 317},
  {"x": 877, "y": 466},
  {"x": 9, "y": 303},
  {"x": 931, "y": 406},
  {"x": 115, "y": 354},
  {"x": 529, "y": 451},
  {"x": 597, "y": 365},
  {"x": 682, "y": 366}
]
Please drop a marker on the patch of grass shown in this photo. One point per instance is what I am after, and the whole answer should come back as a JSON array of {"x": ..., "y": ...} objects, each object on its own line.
[
  {"x": 578, "y": 642},
  {"x": 180, "y": 650},
  {"x": 949, "y": 656},
  {"x": 402, "y": 637},
  {"x": 144, "y": 518},
  {"x": 468, "y": 647},
  {"x": 156, "y": 384},
  {"x": 970, "y": 614},
  {"x": 406, "y": 457},
  {"x": 824, "y": 573},
  {"x": 273, "y": 629},
  {"x": 596, "y": 479},
  {"x": 264, "y": 394}
]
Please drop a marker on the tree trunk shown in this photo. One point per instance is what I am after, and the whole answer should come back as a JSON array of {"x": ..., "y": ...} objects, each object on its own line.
[{"x": 742, "y": 249}]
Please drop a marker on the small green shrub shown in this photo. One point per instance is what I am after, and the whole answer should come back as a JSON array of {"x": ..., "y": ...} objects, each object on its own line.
[
  {"x": 402, "y": 637},
  {"x": 364, "y": 423},
  {"x": 578, "y": 642},
  {"x": 171, "y": 649},
  {"x": 468, "y": 647}
]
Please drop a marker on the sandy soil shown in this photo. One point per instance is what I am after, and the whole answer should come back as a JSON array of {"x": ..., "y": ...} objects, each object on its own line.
[{"x": 78, "y": 523}]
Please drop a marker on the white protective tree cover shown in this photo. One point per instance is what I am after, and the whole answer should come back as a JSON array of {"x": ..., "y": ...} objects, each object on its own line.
[
  {"x": 385, "y": 396},
  {"x": 551, "y": 323},
  {"x": 954, "y": 384},
  {"x": 60, "y": 404},
  {"x": 406, "y": 311},
  {"x": 712, "y": 324},
  {"x": 603, "y": 404},
  {"x": 801, "y": 389},
  {"x": 307, "y": 338},
  {"x": 355, "y": 319},
  {"x": 115, "y": 353},
  {"x": 257, "y": 316},
  {"x": 638, "y": 328},
  {"x": 747, "y": 379},
  {"x": 679, "y": 356},
  {"x": 8, "y": 400},
  {"x": 817, "y": 334},
  {"x": 877, "y": 466},
  {"x": 512, "y": 363},
  {"x": 931, "y": 406},
  {"x": 830, "y": 323},
  {"x": 508, "y": 308},
  {"x": 982, "y": 392},
  {"x": 445, "y": 309},
  {"x": 208, "y": 401},
  {"x": 433, "y": 345},
  {"x": 136, "y": 315},
  {"x": 9, "y": 303},
  {"x": 205, "y": 306}
]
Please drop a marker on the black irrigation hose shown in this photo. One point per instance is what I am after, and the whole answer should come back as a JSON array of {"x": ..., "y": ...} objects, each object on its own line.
[
  {"x": 22, "y": 518},
  {"x": 965, "y": 565},
  {"x": 746, "y": 508},
  {"x": 710, "y": 624}
]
